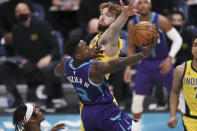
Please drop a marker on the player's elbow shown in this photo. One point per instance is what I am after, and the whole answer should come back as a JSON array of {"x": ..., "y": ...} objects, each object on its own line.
[{"x": 174, "y": 35}]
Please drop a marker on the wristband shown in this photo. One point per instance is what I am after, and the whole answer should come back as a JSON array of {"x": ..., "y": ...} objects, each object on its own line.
[{"x": 170, "y": 59}]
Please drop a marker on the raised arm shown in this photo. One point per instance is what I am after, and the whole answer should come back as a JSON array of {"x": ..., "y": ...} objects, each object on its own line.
[
  {"x": 99, "y": 68},
  {"x": 111, "y": 35},
  {"x": 174, "y": 96},
  {"x": 59, "y": 69},
  {"x": 113, "y": 65}
]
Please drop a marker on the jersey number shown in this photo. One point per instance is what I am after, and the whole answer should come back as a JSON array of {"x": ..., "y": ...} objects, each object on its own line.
[{"x": 83, "y": 94}]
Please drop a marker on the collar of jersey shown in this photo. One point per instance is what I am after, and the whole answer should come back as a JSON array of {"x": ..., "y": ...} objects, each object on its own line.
[{"x": 71, "y": 66}]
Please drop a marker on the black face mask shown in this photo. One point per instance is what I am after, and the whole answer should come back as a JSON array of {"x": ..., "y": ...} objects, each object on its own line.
[
  {"x": 23, "y": 17},
  {"x": 177, "y": 27}
]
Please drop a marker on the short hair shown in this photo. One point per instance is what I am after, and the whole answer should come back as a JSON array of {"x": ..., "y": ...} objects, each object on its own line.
[
  {"x": 28, "y": 3},
  {"x": 71, "y": 46},
  {"x": 179, "y": 13},
  {"x": 112, "y": 8},
  {"x": 195, "y": 37},
  {"x": 19, "y": 119}
]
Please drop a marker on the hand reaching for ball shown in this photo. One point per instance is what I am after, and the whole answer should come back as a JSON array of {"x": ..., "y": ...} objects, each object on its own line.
[
  {"x": 144, "y": 33},
  {"x": 147, "y": 48}
]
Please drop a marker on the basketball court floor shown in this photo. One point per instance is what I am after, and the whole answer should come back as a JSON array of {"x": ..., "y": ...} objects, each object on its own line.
[{"x": 151, "y": 122}]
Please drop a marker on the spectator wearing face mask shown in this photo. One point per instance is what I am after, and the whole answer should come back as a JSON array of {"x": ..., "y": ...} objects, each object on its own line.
[
  {"x": 177, "y": 19},
  {"x": 34, "y": 41},
  {"x": 7, "y": 20}
]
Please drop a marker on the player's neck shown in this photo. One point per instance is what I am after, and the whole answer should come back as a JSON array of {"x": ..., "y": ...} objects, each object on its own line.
[
  {"x": 194, "y": 64},
  {"x": 76, "y": 63},
  {"x": 146, "y": 17}
]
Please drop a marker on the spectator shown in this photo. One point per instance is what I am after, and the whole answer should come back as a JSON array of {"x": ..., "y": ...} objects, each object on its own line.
[
  {"x": 164, "y": 7},
  {"x": 92, "y": 30},
  {"x": 66, "y": 4},
  {"x": 63, "y": 15},
  {"x": 192, "y": 11},
  {"x": 177, "y": 19},
  {"x": 7, "y": 79},
  {"x": 7, "y": 20},
  {"x": 88, "y": 9},
  {"x": 35, "y": 42}
]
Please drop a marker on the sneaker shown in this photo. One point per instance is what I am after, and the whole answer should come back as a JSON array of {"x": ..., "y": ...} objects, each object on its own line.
[
  {"x": 162, "y": 107},
  {"x": 137, "y": 126}
]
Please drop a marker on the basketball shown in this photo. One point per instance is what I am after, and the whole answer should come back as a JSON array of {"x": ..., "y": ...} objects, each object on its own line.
[{"x": 143, "y": 32}]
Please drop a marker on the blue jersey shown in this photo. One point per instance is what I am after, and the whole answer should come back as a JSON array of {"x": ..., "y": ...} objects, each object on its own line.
[
  {"x": 161, "y": 50},
  {"x": 88, "y": 92}
]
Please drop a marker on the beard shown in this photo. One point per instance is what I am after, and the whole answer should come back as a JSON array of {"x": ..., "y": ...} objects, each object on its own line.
[{"x": 102, "y": 28}]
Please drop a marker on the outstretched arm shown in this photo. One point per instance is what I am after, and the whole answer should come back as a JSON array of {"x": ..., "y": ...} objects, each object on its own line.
[
  {"x": 116, "y": 64},
  {"x": 59, "y": 69},
  {"x": 111, "y": 35},
  {"x": 174, "y": 96},
  {"x": 99, "y": 68}
]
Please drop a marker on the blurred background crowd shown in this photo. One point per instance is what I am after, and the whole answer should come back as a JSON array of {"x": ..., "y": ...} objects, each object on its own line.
[{"x": 33, "y": 34}]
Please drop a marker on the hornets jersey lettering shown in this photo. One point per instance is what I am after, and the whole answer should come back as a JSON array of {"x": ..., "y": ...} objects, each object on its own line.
[
  {"x": 94, "y": 42},
  {"x": 190, "y": 89},
  {"x": 88, "y": 92}
]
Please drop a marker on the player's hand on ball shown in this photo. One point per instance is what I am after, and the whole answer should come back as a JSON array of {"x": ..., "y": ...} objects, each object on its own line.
[
  {"x": 147, "y": 48},
  {"x": 172, "y": 122}
]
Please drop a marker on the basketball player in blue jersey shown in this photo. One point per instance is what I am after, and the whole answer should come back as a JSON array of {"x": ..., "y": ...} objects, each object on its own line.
[
  {"x": 111, "y": 20},
  {"x": 185, "y": 79},
  {"x": 87, "y": 75},
  {"x": 159, "y": 65}
]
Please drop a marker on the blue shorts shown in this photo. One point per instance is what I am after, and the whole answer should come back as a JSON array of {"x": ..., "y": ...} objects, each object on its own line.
[
  {"x": 105, "y": 117},
  {"x": 147, "y": 73}
]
